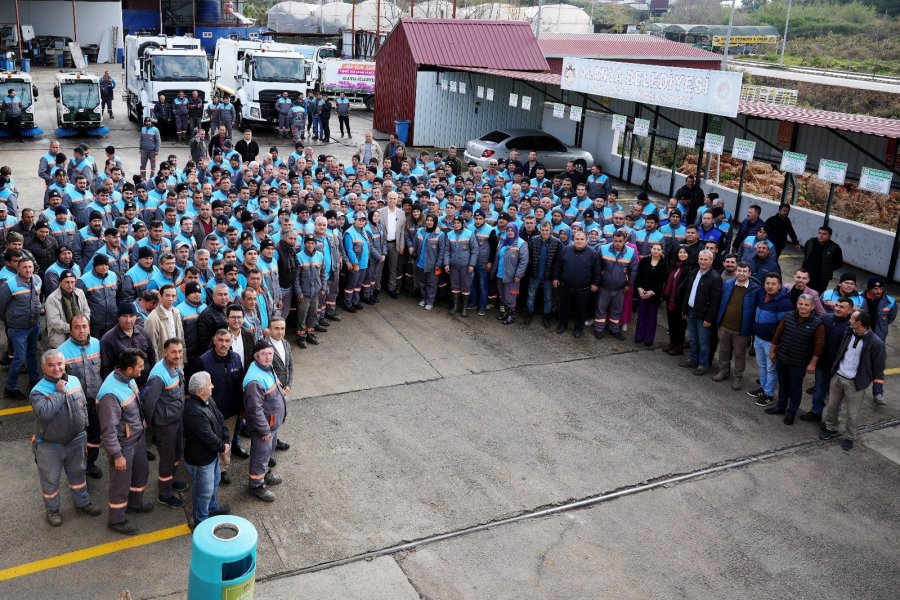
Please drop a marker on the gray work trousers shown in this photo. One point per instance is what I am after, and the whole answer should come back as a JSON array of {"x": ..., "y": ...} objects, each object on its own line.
[
  {"x": 609, "y": 309},
  {"x": 126, "y": 488},
  {"x": 170, "y": 443},
  {"x": 843, "y": 390},
  {"x": 52, "y": 459},
  {"x": 260, "y": 453},
  {"x": 732, "y": 343}
]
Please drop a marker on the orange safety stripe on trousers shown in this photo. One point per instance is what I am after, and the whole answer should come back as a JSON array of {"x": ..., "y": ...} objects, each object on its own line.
[
  {"x": 49, "y": 496},
  {"x": 78, "y": 486},
  {"x": 117, "y": 505},
  {"x": 138, "y": 489}
]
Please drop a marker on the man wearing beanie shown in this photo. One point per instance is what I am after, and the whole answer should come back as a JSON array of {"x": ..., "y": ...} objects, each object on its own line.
[
  {"x": 265, "y": 409},
  {"x": 20, "y": 310},
  {"x": 822, "y": 256},
  {"x": 100, "y": 287},
  {"x": 126, "y": 334},
  {"x": 845, "y": 289},
  {"x": 883, "y": 310}
]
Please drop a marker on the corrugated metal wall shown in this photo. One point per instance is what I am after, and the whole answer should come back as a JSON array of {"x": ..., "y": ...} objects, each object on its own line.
[
  {"x": 395, "y": 73},
  {"x": 444, "y": 117}
]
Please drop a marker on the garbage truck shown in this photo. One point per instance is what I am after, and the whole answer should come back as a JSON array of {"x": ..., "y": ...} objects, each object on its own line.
[
  {"x": 165, "y": 65},
  {"x": 27, "y": 92},
  {"x": 255, "y": 73},
  {"x": 77, "y": 96},
  {"x": 315, "y": 59},
  {"x": 355, "y": 78}
]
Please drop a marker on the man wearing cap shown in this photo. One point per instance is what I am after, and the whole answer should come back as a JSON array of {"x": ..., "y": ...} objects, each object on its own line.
[
  {"x": 64, "y": 262},
  {"x": 7, "y": 221},
  {"x": 88, "y": 240},
  {"x": 356, "y": 254},
  {"x": 64, "y": 303},
  {"x": 20, "y": 310},
  {"x": 846, "y": 288},
  {"x": 43, "y": 247},
  {"x": 59, "y": 443},
  {"x": 100, "y": 287},
  {"x": 265, "y": 409},
  {"x": 119, "y": 260},
  {"x": 62, "y": 228},
  {"x": 883, "y": 311},
  {"x": 126, "y": 334},
  {"x": 138, "y": 277},
  {"x": 123, "y": 437}
]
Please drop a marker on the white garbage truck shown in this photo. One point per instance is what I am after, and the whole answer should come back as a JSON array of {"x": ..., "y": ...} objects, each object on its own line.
[
  {"x": 165, "y": 65},
  {"x": 255, "y": 73}
]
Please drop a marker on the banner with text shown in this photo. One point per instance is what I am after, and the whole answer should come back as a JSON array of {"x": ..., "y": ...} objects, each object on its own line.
[{"x": 712, "y": 92}]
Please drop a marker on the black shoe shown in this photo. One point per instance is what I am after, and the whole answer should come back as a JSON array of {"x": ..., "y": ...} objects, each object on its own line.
[
  {"x": 144, "y": 508},
  {"x": 598, "y": 334},
  {"x": 764, "y": 400},
  {"x": 90, "y": 509},
  {"x": 272, "y": 478},
  {"x": 394, "y": 294},
  {"x": 349, "y": 309},
  {"x": 94, "y": 472},
  {"x": 172, "y": 501},
  {"x": 546, "y": 322},
  {"x": 323, "y": 323},
  {"x": 789, "y": 418},
  {"x": 150, "y": 456},
  {"x": 578, "y": 333},
  {"x": 263, "y": 493},
  {"x": 368, "y": 301},
  {"x": 757, "y": 393},
  {"x": 810, "y": 417},
  {"x": 358, "y": 306},
  {"x": 124, "y": 527},
  {"x": 618, "y": 335},
  {"x": 847, "y": 445},
  {"x": 224, "y": 478},
  {"x": 332, "y": 317},
  {"x": 239, "y": 452},
  {"x": 312, "y": 339},
  {"x": 279, "y": 445},
  {"x": 320, "y": 329},
  {"x": 560, "y": 329},
  {"x": 14, "y": 395},
  {"x": 223, "y": 509},
  {"x": 302, "y": 343},
  {"x": 774, "y": 410},
  {"x": 827, "y": 434},
  {"x": 54, "y": 518}
]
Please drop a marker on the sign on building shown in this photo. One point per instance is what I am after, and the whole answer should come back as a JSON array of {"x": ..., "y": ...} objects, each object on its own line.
[{"x": 713, "y": 92}]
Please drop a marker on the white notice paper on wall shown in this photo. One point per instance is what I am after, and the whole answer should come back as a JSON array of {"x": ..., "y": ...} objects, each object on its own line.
[
  {"x": 444, "y": 84},
  {"x": 453, "y": 86},
  {"x": 490, "y": 94},
  {"x": 559, "y": 110},
  {"x": 743, "y": 149},
  {"x": 575, "y": 113},
  {"x": 462, "y": 87},
  {"x": 793, "y": 162},
  {"x": 480, "y": 92},
  {"x": 832, "y": 171},
  {"x": 714, "y": 143},
  {"x": 526, "y": 102},
  {"x": 687, "y": 138},
  {"x": 513, "y": 99},
  {"x": 619, "y": 122}
]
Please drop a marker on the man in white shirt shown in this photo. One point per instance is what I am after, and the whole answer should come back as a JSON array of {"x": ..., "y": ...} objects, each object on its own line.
[{"x": 394, "y": 221}]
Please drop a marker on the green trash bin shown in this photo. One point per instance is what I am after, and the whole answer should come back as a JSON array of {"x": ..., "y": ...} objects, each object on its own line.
[{"x": 223, "y": 559}]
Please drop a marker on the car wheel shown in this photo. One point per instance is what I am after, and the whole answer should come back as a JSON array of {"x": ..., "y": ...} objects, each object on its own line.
[{"x": 580, "y": 166}]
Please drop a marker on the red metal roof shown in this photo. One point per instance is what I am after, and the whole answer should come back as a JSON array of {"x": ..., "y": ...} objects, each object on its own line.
[
  {"x": 864, "y": 124},
  {"x": 472, "y": 43},
  {"x": 612, "y": 46},
  {"x": 548, "y": 78}
]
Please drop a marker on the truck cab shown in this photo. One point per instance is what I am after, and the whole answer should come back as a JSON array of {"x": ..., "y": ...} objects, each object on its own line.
[
  {"x": 157, "y": 65},
  {"x": 315, "y": 59},
  {"x": 255, "y": 73},
  {"x": 25, "y": 90},
  {"x": 77, "y": 96}
]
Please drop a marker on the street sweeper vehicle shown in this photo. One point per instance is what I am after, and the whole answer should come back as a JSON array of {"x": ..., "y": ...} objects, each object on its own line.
[{"x": 78, "y": 110}]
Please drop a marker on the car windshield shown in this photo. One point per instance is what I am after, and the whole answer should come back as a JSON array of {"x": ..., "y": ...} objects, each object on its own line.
[
  {"x": 23, "y": 91},
  {"x": 495, "y": 137},
  {"x": 290, "y": 70},
  {"x": 80, "y": 94},
  {"x": 178, "y": 68}
]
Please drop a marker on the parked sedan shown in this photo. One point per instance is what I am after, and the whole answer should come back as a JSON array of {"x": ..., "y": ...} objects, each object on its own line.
[{"x": 552, "y": 152}]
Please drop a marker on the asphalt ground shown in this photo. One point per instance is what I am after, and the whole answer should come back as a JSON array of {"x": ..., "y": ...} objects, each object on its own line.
[{"x": 440, "y": 457}]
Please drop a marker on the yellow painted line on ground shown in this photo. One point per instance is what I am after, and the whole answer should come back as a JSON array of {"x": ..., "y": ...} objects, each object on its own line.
[
  {"x": 15, "y": 411},
  {"x": 61, "y": 560},
  {"x": 894, "y": 371}
]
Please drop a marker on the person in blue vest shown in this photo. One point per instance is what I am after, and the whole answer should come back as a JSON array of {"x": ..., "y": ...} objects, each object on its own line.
[
  {"x": 356, "y": 253},
  {"x": 486, "y": 238},
  {"x": 180, "y": 108},
  {"x": 311, "y": 280},
  {"x": 618, "y": 264},
  {"x": 426, "y": 250},
  {"x": 509, "y": 269},
  {"x": 100, "y": 287},
  {"x": 283, "y": 110},
  {"x": 59, "y": 441},
  {"x": 374, "y": 232},
  {"x": 82, "y": 355},
  {"x": 12, "y": 106},
  {"x": 20, "y": 310},
  {"x": 148, "y": 145},
  {"x": 459, "y": 257},
  {"x": 265, "y": 408},
  {"x": 162, "y": 399},
  {"x": 124, "y": 440}
]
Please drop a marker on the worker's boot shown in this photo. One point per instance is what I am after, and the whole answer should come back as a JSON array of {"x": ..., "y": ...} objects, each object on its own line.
[
  {"x": 463, "y": 308},
  {"x": 455, "y": 309}
]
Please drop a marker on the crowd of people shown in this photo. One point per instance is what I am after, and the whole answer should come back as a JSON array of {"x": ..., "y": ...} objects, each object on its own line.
[{"x": 167, "y": 296}]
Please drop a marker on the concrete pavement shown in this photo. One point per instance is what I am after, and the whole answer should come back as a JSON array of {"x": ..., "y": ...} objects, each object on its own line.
[{"x": 408, "y": 424}]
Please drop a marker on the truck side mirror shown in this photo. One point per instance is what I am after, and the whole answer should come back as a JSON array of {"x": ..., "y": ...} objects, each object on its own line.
[
  {"x": 56, "y": 92},
  {"x": 34, "y": 91}
]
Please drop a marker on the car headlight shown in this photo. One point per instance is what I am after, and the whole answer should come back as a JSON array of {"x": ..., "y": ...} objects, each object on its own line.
[
  {"x": 254, "y": 112},
  {"x": 97, "y": 109},
  {"x": 65, "y": 110},
  {"x": 30, "y": 109}
]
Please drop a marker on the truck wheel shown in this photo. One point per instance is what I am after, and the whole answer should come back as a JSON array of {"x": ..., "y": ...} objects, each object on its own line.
[
  {"x": 580, "y": 166},
  {"x": 370, "y": 103},
  {"x": 132, "y": 115},
  {"x": 238, "y": 124}
]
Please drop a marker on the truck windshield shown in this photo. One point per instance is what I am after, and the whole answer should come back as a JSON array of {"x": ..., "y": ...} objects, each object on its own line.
[
  {"x": 291, "y": 70},
  {"x": 23, "y": 91},
  {"x": 328, "y": 53},
  {"x": 81, "y": 94},
  {"x": 178, "y": 68}
]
